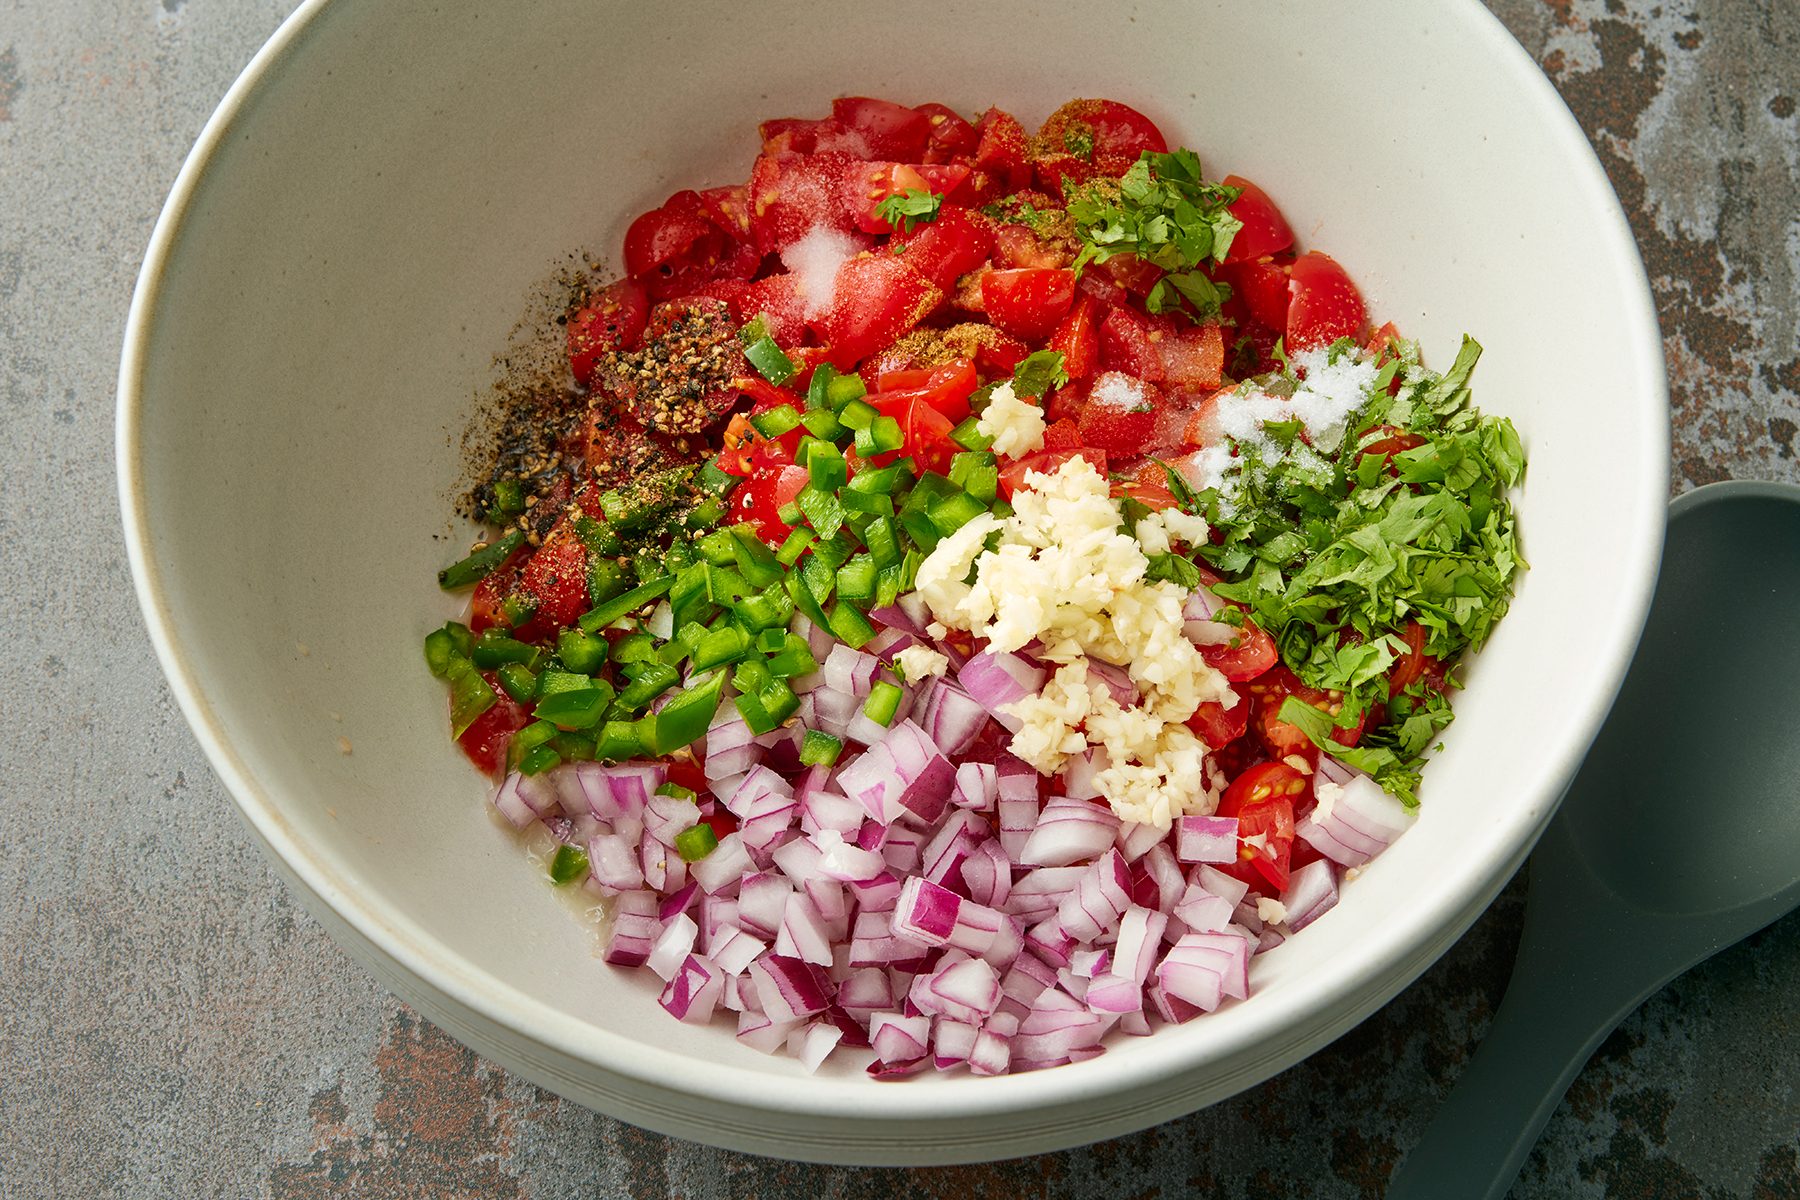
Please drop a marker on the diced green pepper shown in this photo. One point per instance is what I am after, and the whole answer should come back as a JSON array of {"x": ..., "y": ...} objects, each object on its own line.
[
  {"x": 634, "y": 647},
  {"x": 683, "y": 719},
  {"x": 819, "y": 577},
  {"x": 648, "y": 680},
  {"x": 538, "y": 760},
  {"x": 518, "y": 608},
  {"x": 580, "y": 651},
  {"x": 887, "y": 585},
  {"x": 718, "y": 547},
  {"x": 571, "y": 746},
  {"x": 843, "y": 389},
  {"x": 793, "y": 658},
  {"x": 776, "y": 421},
  {"x": 823, "y": 423},
  {"x": 606, "y": 578},
  {"x": 724, "y": 645},
  {"x": 769, "y": 360},
  {"x": 755, "y": 561},
  {"x": 954, "y": 511},
  {"x": 696, "y": 842},
  {"x": 618, "y": 741},
  {"x": 883, "y": 703},
  {"x": 849, "y": 626},
  {"x": 476, "y": 566},
  {"x": 818, "y": 748},
  {"x": 675, "y": 791},
  {"x": 969, "y": 437},
  {"x": 883, "y": 542},
  {"x": 817, "y": 389},
  {"x": 795, "y": 545},
  {"x": 858, "y": 415},
  {"x": 767, "y": 609},
  {"x": 470, "y": 696},
  {"x": 822, "y": 509},
  {"x": 826, "y": 468},
  {"x": 517, "y": 681},
  {"x": 569, "y": 864},
  {"x": 442, "y": 648},
  {"x": 494, "y": 647},
  {"x": 578, "y": 708},
  {"x": 856, "y": 579},
  {"x": 714, "y": 480},
  {"x": 604, "y": 614}
]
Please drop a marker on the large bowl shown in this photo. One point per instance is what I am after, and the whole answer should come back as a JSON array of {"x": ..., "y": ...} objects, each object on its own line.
[{"x": 367, "y": 214}]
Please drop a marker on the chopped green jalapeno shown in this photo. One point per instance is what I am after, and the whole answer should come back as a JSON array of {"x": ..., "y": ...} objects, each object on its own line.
[
  {"x": 823, "y": 423},
  {"x": 602, "y": 615},
  {"x": 476, "y": 566},
  {"x": 569, "y": 864},
  {"x": 618, "y": 741},
  {"x": 538, "y": 760},
  {"x": 684, "y": 719},
  {"x": 969, "y": 437},
  {"x": 580, "y": 651},
  {"x": 795, "y": 545},
  {"x": 817, "y": 389},
  {"x": 718, "y": 548},
  {"x": 844, "y": 389},
  {"x": 577, "y": 708},
  {"x": 954, "y": 511},
  {"x": 776, "y": 421},
  {"x": 767, "y": 609},
  {"x": 858, "y": 415},
  {"x": 470, "y": 696},
  {"x": 724, "y": 645},
  {"x": 634, "y": 647},
  {"x": 887, "y": 585},
  {"x": 573, "y": 747},
  {"x": 696, "y": 842},
  {"x": 675, "y": 791},
  {"x": 856, "y": 579},
  {"x": 818, "y": 748},
  {"x": 883, "y": 703},
  {"x": 849, "y": 626},
  {"x": 517, "y": 681},
  {"x": 826, "y": 468},
  {"x": 648, "y": 680},
  {"x": 494, "y": 647},
  {"x": 770, "y": 362},
  {"x": 518, "y": 608},
  {"x": 441, "y": 650},
  {"x": 823, "y": 511},
  {"x": 755, "y": 561}
]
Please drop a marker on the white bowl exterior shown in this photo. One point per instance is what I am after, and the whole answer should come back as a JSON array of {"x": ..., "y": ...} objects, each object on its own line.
[{"x": 363, "y": 221}]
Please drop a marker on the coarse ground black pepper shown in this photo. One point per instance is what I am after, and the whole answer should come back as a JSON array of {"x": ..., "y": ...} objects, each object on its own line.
[{"x": 679, "y": 383}]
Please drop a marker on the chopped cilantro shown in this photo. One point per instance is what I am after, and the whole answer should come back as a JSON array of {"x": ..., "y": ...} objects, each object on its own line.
[
  {"x": 1038, "y": 372},
  {"x": 1164, "y": 212},
  {"x": 910, "y": 208},
  {"x": 1335, "y": 552}
]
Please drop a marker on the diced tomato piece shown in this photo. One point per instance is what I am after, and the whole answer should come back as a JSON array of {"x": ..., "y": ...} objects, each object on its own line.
[
  {"x": 1125, "y": 345},
  {"x": 890, "y": 130},
  {"x": 492, "y": 591},
  {"x": 945, "y": 389},
  {"x": 1262, "y": 286},
  {"x": 1120, "y": 415},
  {"x": 1149, "y": 486},
  {"x": 1028, "y": 303},
  {"x": 1265, "y": 231},
  {"x": 486, "y": 738},
  {"x": 999, "y": 353},
  {"x": 866, "y": 185},
  {"x": 1415, "y": 664},
  {"x": 783, "y": 308},
  {"x": 1217, "y": 725},
  {"x": 556, "y": 576},
  {"x": 1193, "y": 356},
  {"x": 611, "y": 318},
  {"x": 1046, "y": 462},
  {"x": 1103, "y": 287},
  {"x": 791, "y": 195},
  {"x": 729, "y": 209},
  {"x": 797, "y": 135},
  {"x": 1265, "y": 783},
  {"x": 1132, "y": 273},
  {"x": 1066, "y": 402},
  {"x": 927, "y": 434},
  {"x": 1077, "y": 338},
  {"x": 877, "y": 299},
  {"x": 1397, "y": 441},
  {"x": 1378, "y": 341},
  {"x": 1202, "y": 428},
  {"x": 681, "y": 245},
  {"x": 1062, "y": 435},
  {"x": 1281, "y": 738},
  {"x": 1016, "y": 246},
  {"x": 1326, "y": 305},
  {"x": 1000, "y": 163},
  {"x": 948, "y": 248},
  {"x": 731, "y": 291},
  {"x": 773, "y": 482},
  {"x": 1088, "y": 138},
  {"x": 1243, "y": 658},
  {"x": 951, "y": 136}
]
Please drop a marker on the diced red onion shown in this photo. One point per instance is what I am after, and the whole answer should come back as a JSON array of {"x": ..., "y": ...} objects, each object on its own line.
[
  {"x": 667, "y": 816},
  {"x": 614, "y": 862},
  {"x": 896, "y": 617},
  {"x": 991, "y": 1054},
  {"x": 1201, "y": 911},
  {"x": 788, "y": 988},
  {"x": 734, "y": 950},
  {"x": 730, "y": 746},
  {"x": 803, "y": 934},
  {"x": 850, "y": 671},
  {"x": 987, "y": 874},
  {"x": 762, "y": 898},
  {"x": 1220, "y": 884},
  {"x": 1037, "y": 893},
  {"x": 509, "y": 804},
  {"x": 901, "y": 848},
  {"x": 676, "y": 903},
  {"x": 965, "y": 989},
  {"x": 1353, "y": 822},
  {"x": 822, "y": 810},
  {"x": 760, "y": 1031},
  {"x": 951, "y": 1043},
  {"x": 815, "y": 1042},
  {"x": 1100, "y": 896},
  {"x": 1203, "y": 969},
  {"x": 1311, "y": 892},
  {"x": 953, "y": 718},
  {"x": 995, "y": 679},
  {"x": 877, "y": 895},
  {"x": 898, "y": 1038},
  {"x": 672, "y": 945},
  {"x": 1206, "y": 839},
  {"x": 634, "y": 929},
  {"x": 1116, "y": 679},
  {"x": 694, "y": 990},
  {"x": 721, "y": 870},
  {"x": 977, "y": 787}
]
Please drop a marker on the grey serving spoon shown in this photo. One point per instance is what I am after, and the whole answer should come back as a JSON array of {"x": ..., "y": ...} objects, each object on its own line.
[{"x": 1679, "y": 837}]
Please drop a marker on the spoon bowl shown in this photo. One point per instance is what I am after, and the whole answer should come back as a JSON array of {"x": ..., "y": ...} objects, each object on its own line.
[{"x": 1679, "y": 837}]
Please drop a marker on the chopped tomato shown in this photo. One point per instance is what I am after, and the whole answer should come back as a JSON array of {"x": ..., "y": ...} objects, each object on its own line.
[
  {"x": 866, "y": 185},
  {"x": 680, "y": 246},
  {"x": 492, "y": 591},
  {"x": 1077, "y": 338},
  {"x": 1065, "y": 404},
  {"x": 878, "y": 298},
  {"x": 1000, "y": 164},
  {"x": 1265, "y": 231},
  {"x": 486, "y": 738},
  {"x": 1272, "y": 690},
  {"x": 1132, "y": 273},
  {"x": 890, "y": 130},
  {"x": 1203, "y": 425},
  {"x": 1016, "y": 246},
  {"x": 951, "y": 136},
  {"x": 773, "y": 483},
  {"x": 927, "y": 434},
  {"x": 1378, "y": 341},
  {"x": 1121, "y": 413},
  {"x": 1243, "y": 658},
  {"x": 1397, "y": 441},
  {"x": 1262, "y": 286},
  {"x": 1088, "y": 138},
  {"x": 1125, "y": 345},
  {"x": 1262, "y": 784},
  {"x": 1326, "y": 305},
  {"x": 998, "y": 354},
  {"x": 946, "y": 389},
  {"x": 729, "y": 209},
  {"x": 790, "y": 195},
  {"x": 778, "y": 299},
  {"x": 1217, "y": 725},
  {"x": 946, "y": 249},
  {"x": 1149, "y": 486},
  {"x": 1028, "y": 303},
  {"x": 1412, "y": 665},
  {"x": 556, "y": 576},
  {"x": 1192, "y": 355},
  {"x": 1045, "y": 462},
  {"x": 611, "y": 318},
  {"x": 1263, "y": 799},
  {"x": 1062, "y": 435}
]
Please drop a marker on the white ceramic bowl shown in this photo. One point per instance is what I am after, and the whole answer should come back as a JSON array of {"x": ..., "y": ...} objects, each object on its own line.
[{"x": 365, "y": 217}]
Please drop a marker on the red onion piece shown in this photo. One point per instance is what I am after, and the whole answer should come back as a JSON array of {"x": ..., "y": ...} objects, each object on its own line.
[
  {"x": 1353, "y": 822},
  {"x": 1068, "y": 831},
  {"x": 1206, "y": 839},
  {"x": 995, "y": 679},
  {"x": 634, "y": 929},
  {"x": 1311, "y": 892},
  {"x": 672, "y": 945},
  {"x": 694, "y": 990},
  {"x": 952, "y": 718}
]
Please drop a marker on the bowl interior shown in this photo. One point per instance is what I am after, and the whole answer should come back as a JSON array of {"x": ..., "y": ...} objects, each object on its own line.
[{"x": 358, "y": 235}]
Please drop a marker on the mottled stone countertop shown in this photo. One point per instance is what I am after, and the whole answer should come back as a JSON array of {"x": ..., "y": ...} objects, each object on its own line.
[{"x": 171, "y": 1024}]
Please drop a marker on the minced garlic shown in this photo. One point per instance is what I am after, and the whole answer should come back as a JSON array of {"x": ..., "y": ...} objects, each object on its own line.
[
  {"x": 920, "y": 662},
  {"x": 1016, "y": 425},
  {"x": 1066, "y": 574}
]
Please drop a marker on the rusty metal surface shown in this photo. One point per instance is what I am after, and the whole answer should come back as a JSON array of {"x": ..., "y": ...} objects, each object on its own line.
[{"x": 172, "y": 1025}]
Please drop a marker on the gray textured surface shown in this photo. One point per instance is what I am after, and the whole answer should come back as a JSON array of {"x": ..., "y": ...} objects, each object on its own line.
[{"x": 171, "y": 1025}]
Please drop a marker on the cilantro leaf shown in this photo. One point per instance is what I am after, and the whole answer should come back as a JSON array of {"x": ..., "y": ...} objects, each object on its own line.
[
  {"x": 1038, "y": 373},
  {"x": 1166, "y": 213},
  {"x": 913, "y": 207},
  {"x": 1175, "y": 569}
]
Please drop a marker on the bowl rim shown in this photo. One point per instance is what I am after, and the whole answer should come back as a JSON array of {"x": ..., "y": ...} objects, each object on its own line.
[{"x": 430, "y": 963}]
